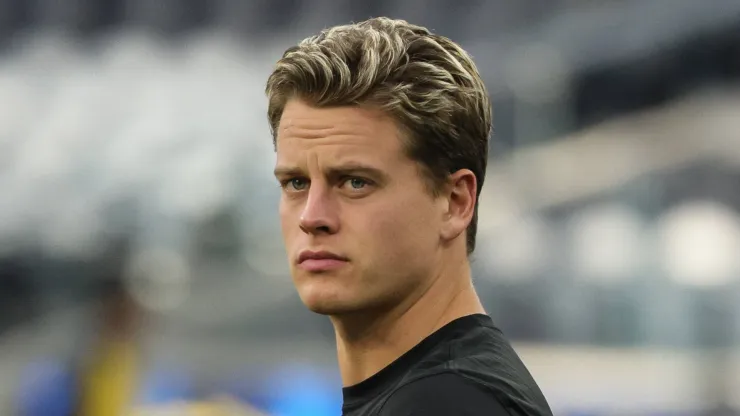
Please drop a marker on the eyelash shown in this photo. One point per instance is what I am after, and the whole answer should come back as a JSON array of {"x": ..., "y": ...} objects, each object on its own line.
[
  {"x": 284, "y": 183},
  {"x": 366, "y": 182}
]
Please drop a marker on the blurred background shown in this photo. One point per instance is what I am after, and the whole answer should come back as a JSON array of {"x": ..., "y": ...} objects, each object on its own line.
[{"x": 140, "y": 255}]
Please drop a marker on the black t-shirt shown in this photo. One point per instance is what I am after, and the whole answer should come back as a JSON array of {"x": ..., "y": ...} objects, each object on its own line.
[{"x": 466, "y": 368}]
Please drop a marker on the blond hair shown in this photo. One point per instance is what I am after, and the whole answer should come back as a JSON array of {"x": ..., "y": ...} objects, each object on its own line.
[{"x": 426, "y": 82}]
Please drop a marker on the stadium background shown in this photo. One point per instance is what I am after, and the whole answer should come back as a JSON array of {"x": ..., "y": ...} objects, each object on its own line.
[{"x": 609, "y": 241}]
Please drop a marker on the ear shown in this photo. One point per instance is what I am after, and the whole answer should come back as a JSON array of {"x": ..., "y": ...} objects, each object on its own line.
[{"x": 461, "y": 197}]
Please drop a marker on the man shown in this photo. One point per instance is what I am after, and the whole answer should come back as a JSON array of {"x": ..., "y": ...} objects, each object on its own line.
[{"x": 381, "y": 132}]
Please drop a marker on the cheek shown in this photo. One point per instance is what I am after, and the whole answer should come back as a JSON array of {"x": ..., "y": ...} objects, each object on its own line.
[
  {"x": 288, "y": 221},
  {"x": 404, "y": 229}
]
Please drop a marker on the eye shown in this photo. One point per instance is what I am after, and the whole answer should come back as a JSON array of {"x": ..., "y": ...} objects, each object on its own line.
[
  {"x": 295, "y": 184},
  {"x": 356, "y": 184}
]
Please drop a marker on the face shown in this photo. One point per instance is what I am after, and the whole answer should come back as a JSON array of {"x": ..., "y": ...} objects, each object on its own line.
[{"x": 361, "y": 229}]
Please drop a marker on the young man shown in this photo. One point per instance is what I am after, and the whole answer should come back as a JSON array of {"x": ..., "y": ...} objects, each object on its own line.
[{"x": 381, "y": 132}]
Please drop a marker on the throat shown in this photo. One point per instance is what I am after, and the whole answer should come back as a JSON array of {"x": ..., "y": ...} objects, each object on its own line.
[{"x": 366, "y": 344}]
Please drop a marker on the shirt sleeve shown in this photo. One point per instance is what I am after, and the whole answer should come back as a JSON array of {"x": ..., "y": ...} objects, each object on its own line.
[{"x": 443, "y": 395}]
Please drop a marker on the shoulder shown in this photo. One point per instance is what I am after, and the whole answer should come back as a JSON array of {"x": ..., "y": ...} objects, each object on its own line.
[{"x": 443, "y": 394}]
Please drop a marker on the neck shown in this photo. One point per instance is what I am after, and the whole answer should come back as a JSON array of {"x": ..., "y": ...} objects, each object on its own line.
[{"x": 366, "y": 343}]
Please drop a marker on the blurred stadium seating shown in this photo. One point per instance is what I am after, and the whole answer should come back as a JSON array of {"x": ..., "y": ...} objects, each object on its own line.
[{"x": 610, "y": 220}]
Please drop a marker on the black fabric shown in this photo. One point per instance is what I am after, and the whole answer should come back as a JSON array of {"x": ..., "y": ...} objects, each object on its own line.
[
  {"x": 443, "y": 394},
  {"x": 466, "y": 368}
]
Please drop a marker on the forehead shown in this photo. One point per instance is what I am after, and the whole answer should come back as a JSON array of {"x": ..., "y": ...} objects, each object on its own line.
[{"x": 336, "y": 133}]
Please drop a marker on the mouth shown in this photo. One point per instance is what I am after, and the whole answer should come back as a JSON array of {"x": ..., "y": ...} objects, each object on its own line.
[{"x": 320, "y": 261}]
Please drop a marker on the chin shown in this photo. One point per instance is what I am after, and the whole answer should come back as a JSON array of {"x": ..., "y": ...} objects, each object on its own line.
[
  {"x": 336, "y": 306},
  {"x": 326, "y": 310},
  {"x": 330, "y": 304},
  {"x": 328, "y": 307},
  {"x": 324, "y": 295}
]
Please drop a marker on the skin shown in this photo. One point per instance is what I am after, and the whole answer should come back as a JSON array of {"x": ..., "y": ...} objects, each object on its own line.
[{"x": 349, "y": 188}]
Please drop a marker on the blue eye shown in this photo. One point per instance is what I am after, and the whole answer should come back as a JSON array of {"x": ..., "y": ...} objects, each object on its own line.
[
  {"x": 298, "y": 184},
  {"x": 357, "y": 183}
]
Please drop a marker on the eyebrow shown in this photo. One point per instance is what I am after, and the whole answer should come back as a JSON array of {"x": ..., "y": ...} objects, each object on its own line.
[
  {"x": 285, "y": 171},
  {"x": 346, "y": 169}
]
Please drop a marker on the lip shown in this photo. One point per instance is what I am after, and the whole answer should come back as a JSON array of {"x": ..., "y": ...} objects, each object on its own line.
[{"x": 318, "y": 261}]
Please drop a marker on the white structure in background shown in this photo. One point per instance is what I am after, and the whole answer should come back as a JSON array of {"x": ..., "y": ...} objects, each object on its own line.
[
  {"x": 700, "y": 243},
  {"x": 607, "y": 242},
  {"x": 174, "y": 126},
  {"x": 159, "y": 279},
  {"x": 511, "y": 243}
]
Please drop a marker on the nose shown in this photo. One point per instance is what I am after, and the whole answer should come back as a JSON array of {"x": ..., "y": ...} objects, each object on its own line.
[{"x": 319, "y": 214}]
